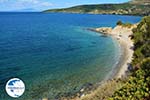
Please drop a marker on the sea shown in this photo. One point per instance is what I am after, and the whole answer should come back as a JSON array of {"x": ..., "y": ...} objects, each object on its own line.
[{"x": 55, "y": 54}]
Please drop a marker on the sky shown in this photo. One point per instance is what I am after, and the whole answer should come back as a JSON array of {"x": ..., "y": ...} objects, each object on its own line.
[{"x": 40, "y": 5}]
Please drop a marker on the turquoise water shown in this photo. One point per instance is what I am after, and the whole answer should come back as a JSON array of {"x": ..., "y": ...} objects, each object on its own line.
[{"x": 54, "y": 53}]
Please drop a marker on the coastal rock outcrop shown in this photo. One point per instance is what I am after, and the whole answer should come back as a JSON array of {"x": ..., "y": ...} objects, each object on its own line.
[
  {"x": 118, "y": 30},
  {"x": 103, "y": 30}
]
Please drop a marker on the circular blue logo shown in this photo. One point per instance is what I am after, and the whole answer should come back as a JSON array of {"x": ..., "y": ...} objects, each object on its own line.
[{"x": 15, "y": 87}]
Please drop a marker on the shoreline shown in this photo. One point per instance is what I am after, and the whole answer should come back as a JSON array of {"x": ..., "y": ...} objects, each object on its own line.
[
  {"x": 126, "y": 47},
  {"x": 122, "y": 36},
  {"x": 123, "y": 65}
]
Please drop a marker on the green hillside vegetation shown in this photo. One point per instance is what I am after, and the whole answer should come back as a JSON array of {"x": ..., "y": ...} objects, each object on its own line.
[
  {"x": 140, "y": 2},
  {"x": 135, "y": 7},
  {"x": 137, "y": 86}
]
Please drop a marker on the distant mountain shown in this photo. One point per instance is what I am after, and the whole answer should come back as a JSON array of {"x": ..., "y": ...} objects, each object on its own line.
[
  {"x": 134, "y": 7},
  {"x": 27, "y": 10},
  {"x": 145, "y": 2}
]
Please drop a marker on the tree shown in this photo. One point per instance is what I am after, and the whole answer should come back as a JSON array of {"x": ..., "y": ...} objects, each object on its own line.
[{"x": 119, "y": 22}]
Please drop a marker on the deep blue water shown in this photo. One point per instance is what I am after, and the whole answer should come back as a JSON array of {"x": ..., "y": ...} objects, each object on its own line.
[{"x": 54, "y": 53}]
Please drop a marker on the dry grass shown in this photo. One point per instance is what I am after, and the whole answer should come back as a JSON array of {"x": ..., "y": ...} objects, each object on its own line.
[{"x": 104, "y": 91}]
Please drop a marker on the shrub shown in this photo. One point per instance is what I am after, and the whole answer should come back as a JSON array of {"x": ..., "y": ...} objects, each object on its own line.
[{"x": 119, "y": 22}]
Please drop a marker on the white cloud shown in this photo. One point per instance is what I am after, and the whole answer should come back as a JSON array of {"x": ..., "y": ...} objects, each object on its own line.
[
  {"x": 36, "y": 2},
  {"x": 2, "y": 1},
  {"x": 46, "y": 4},
  {"x": 23, "y": 4}
]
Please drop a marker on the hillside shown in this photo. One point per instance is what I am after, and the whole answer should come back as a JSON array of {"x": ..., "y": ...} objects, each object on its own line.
[
  {"x": 145, "y": 2},
  {"x": 138, "y": 85},
  {"x": 135, "y": 7}
]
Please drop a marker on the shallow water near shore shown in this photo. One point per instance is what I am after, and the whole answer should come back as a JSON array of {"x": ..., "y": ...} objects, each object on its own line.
[{"x": 54, "y": 53}]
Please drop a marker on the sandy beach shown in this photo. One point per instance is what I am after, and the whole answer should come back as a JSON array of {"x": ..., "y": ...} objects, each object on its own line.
[{"x": 122, "y": 35}]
